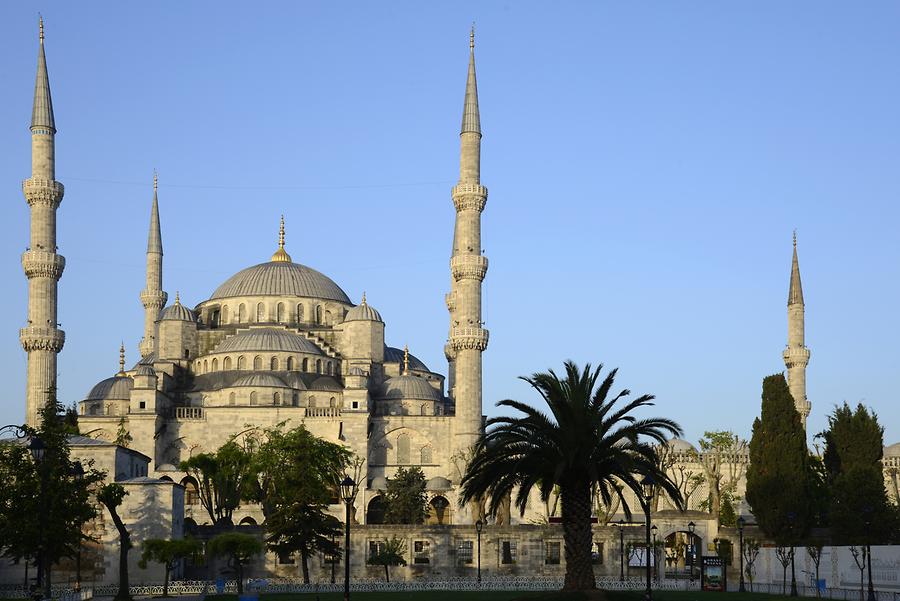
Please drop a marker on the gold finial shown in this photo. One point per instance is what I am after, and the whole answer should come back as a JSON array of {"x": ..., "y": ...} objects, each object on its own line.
[
  {"x": 364, "y": 298},
  {"x": 795, "y": 238},
  {"x": 405, "y": 360},
  {"x": 155, "y": 180},
  {"x": 281, "y": 255},
  {"x": 472, "y": 37},
  {"x": 177, "y": 298},
  {"x": 121, "y": 359},
  {"x": 41, "y": 26}
]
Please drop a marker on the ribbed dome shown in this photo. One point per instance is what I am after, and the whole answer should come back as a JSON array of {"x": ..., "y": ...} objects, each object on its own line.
[
  {"x": 144, "y": 370},
  {"x": 395, "y": 355},
  {"x": 279, "y": 278},
  {"x": 363, "y": 312},
  {"x": 410, "y": 387},
  {"x": 257, "y": 380},
  {"x": 267, "y": 339},
  {"x": 116, "y": 388},
  {"x": 177, "y": 312}
]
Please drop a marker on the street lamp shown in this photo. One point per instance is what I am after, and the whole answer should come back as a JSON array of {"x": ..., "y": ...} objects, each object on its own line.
[
  {"x": 348, "y": 491},
  {"x": 621, "y": 525},
  {"x": 691, "y": 527},
  {"x": 479, "y": 525},
  {"x": 647, "y": 486},
  {"x": 740, "y": 525},
  {"x": 654, "y": 530},
  {"x": 867, "y": 513}
]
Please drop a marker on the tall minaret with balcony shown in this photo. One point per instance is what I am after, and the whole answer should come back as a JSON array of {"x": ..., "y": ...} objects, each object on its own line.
[
  {"x": 153, "y": 298},
  {"x": 796, "y": 355},
  {"x": 468, "y": 267},
  {"x": 41, "y": 338}
]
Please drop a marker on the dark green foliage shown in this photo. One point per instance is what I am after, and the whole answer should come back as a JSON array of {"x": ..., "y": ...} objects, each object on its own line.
[
  {"x": 853, "y": 439},
  {"x": 239, "y": 549},
  {"x": 405, "y": 498},
  {"x": 727, "y": 512},
  {"x": 168, "y": 553},
  {"x": 123, "y": 436},
  {"x": 586, "y": 444},
  {"x": 71, "y": 419},
  {"x": 222, "y": 477},
  {"x": 779, "y": 479},
  {"x": 111, "y": 496},
  {"x": 391, "y": 553}
]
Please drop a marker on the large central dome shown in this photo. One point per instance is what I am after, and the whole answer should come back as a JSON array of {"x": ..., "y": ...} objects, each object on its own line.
[{"x": 281, "y": 278}]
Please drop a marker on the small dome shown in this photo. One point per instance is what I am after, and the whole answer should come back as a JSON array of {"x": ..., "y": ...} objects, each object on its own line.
[
  {"x": 363, "y": 312},
  {"x": 144, "y": 370},
  {"x": 378, "y": 483},
  {"x": 116, "y": 388},
  {"x": 395, "y": 355},
  {"x": 679, "y": 445},
  {"x": 177, "y": 312},
  {"x": 267, "y": 339},
  {"x": 438, "y": 483},
  {"x": 409, "y": 387},
  {"x": 281, "y": 278},
  {"x": 259, "y": 380},
  {"x": 892, "y": 450},
  {"x": 166, "y": 467},
  {"x": 325, "y": 383}
]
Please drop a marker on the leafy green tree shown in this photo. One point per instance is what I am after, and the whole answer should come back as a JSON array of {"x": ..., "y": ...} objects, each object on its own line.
[
  {"x": 405, "y": 499},
  {"x": 43, "y": 505},
  {"x": 719, "y": 449},
  {"x": 123, "y": 436},
  {"x": 111, "y": 496},
  {"x": 304, "y": 529},
  {"x": 222, "y": 477},
  {"x": 587, "y": 443},
  {"x": 391, "y": 553},
  {"x": 239, "y": 549},
  {"x": 168, "y": 553},
  {"x": 860, "y": 511}
]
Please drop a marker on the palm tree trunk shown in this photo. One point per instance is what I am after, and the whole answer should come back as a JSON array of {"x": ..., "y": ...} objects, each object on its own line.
[{"x": 576, "y": 521}]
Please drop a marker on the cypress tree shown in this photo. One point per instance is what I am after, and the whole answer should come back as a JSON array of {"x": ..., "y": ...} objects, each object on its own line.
[{"x": 779, "y": 477}]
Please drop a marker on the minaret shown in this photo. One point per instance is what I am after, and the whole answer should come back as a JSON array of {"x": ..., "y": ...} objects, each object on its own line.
[
  {"x": 41, "y": 338},
  {"x": 153, "y": 298},
  {"x": 468, "y": 267},
  {"x": 796, "y": 355}
]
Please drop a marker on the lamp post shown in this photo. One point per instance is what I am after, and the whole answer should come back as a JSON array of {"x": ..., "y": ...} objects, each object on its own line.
[
  {"x": 691, "y": 527},
  {"x": 654, "y": 530},
  {"x": 478, "y": 527},
  {"x": 867, "y": 512},
  {"x": 647, "y": 484},
  {"x": 348, "y": 491},
  {"x": 621, "y": 525},
  {"x": 792, "y": 517},
  {"x": 740, "y": 525}
]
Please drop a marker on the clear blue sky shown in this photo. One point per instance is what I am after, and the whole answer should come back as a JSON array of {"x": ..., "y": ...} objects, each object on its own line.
[{"x": 647, "y": 163}]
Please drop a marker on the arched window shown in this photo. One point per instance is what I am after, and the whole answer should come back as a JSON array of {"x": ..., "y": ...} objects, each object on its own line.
[
  {"x": 273, "y": 364},
  {"x": 260, "y": 313},
  {"x": 375, "y": 511},
  {"x": 299, "y": 313},
  {"x": 231, "y": 398},
  {"x": 318, "y": 366},
  {"x": 242, "y": 363},
  {"x": 226, "y": 363},
  {"x": 423, "y": 410},
  {"x": 257, "y": 363},
  {"x": 215, "y": 364},
  {"x": 224, "y": 314},
  {"x": 253, "y": 398},
  {"x": 191, "y": 491},
  {"x": 290, "y": 364},
  {"x": 331, "y": 402},
  {"x": 276, "y": 398},
  {"x": 305, "y": 367},
  {"x": 312, "y": 402},
  {"x": 319, "y": 314},
  {"x": 247, "y": 521},
  {"x": 279, "y": 313},
  {"x": 295, "y": 400},
  {"x": 205, "y": 366},
  {"x": 403, "y": 449},
  {"x": 425, "y": 455},
  {"x": 328, "y": 321},
  {"x": 328, "y": 368},
  {"x": 242, "y": 313}
]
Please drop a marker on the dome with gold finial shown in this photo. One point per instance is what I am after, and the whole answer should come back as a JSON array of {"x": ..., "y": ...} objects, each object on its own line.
[
  {"x": 363, "y": 312},
  {"x": 281, "y": 255},
  {"x": 177, "y": 312},
  {"x": 407, "y": 386}
]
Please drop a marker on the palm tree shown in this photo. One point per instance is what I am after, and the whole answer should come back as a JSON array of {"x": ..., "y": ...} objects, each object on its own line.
[{"x": 586, "y": 444}]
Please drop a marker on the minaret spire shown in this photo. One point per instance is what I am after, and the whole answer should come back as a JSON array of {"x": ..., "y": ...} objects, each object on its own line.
[
  {"x": 281, "y": 255},
  {"x": 153, "y": 297},
  {"x": 43, "y": 266},
  {"x": 796, "y": 355},
  {"x": 468, "y": 266}
]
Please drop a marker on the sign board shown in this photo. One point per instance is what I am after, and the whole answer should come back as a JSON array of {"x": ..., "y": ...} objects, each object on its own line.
[
  {"x": 712, "y": 573},
  {"x": 637, "y": 557}
]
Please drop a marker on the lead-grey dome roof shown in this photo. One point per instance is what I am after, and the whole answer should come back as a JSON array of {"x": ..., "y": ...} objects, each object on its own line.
[
  {"x": 410, "y": 387},
  {"x": 395, "y": 355},
  {"x": 257, "y": 380},
  {"x": 116, "y": 388},
  {"x": 177, "y": 312},
  {"x": 267, "y": 339},
  {"x": 438, "y": 483},
  {"x": 279, "y": 278},
  {"x": 363, "y": 312}
]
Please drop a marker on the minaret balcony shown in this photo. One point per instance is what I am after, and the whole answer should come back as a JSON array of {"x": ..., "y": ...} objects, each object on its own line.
[
  {"x": 472, "y": 267},
  {"x": 36, "y": 338},
  {"x": 42, "y": 264},
  {"x": 469, "y": 338},
  {"x": 796, "y": 356},
  {"x": 43, "y": 192},
  {"x": 469, "y": 197},
  {"x": 153, "y": 298}
]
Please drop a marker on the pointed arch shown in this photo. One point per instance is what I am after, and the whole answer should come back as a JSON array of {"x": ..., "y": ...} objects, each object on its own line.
[
  {"x": 260, "y": 313},
  {"x": 215, "y": 364},
  {"x": 241, "y": 362},
  {"x": 299, "y": 313},
  {"x": 279, "y": 312},
  {"x": 290, "y": 364},
  {"x": 242, "y": 313},
  {"x": 226, "y": 363},
  {"x": 224, "y": 314},
  {"x": 253, "y": 400},
  {"x": 276, "y": 398},
  {"x": 273, "y": 364},
  {"x": 257, "y": 363}
]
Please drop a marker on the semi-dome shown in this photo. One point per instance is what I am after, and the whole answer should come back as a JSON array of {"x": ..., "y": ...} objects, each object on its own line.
[
  {"x": 363, "y": 312},
  {"x": 177, "y": 312},
  {"x": 395, "y": 355},
  {"x": 326, "y": 383},
  {"x": 116, "y": 388},
  {"x": 267, "y": 339},
  {"x": 409, "y": 387},
  {"x": 259, "y": 380},
  {"x": 281, "y": 278},
  {"x": 438, "y": 483}
]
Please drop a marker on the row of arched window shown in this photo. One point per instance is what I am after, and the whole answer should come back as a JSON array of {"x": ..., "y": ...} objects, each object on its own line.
[
  {"x": 275, "y": 364},
  {"x": 278, "y": 313},
  {"x": 277, "y": 398},
  {"x": 379, "y": 454}
]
